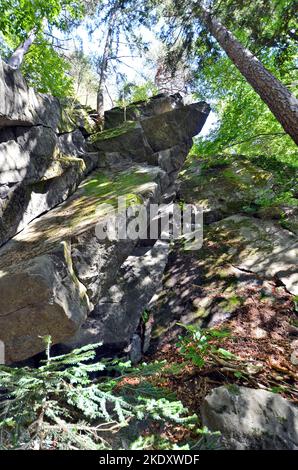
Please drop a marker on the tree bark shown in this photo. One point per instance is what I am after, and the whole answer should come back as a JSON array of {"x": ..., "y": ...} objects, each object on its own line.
[
  {"x": 104, "y": 65},
  {"x": 282, "y": 103},
  {"x": 16, "y": 59}
]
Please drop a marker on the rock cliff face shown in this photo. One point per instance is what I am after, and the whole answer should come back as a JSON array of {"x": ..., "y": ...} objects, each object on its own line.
[
  {"x": 43, "y": 154},
  {"x": 56, "y": 277}
]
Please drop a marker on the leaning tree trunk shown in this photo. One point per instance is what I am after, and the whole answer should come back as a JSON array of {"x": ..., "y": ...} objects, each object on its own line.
[
  {"x": 104, "y": 66},
  {"x": 17, "y": 57},
  {"x": 280, "y": 101}
]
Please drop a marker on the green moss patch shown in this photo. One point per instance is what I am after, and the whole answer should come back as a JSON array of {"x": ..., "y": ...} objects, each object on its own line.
[
  {"x": 94, "y": 199},
  {"x": 114, "y": 132},
  {"x": 233, "y": 184}
]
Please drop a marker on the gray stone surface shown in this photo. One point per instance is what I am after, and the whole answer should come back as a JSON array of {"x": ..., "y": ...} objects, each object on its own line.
[
  {"x": 264, "y": 248},
  {"x": 21, "y": 105},
  {"x": 157, "y": 105},
  {"x": 171, "y": 132},
  {"x": 26, "y": 154},
  {"x": 251, "y": 419},
  {"x": 128, "y": 141},
  {"x": 175, "y": 127},
  {"x": 54, "y": 270},
  {"x": 38, "y": 170},
  {"x": 118, "y": 312},
  {"x": 243, "y": 255},
  {"x": 21, "y": 204},
  {"x": 40, "y": 297}
]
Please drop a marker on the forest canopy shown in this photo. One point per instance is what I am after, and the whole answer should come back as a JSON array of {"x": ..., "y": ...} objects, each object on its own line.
[{"x": 174, "y": 51}]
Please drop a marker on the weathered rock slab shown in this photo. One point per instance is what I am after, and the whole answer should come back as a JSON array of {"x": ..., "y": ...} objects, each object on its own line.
[
  {"x": 117, "y": 314},
  {"x": 223, "y": 185},
  {"x": 56, "y": 269},
  {"x": 21, "y": 105},
  {"x": 250, "y": 419},
  {"x": 158, "y": 104},
  {"x": 141, "y": 140},
  {"x": 39, "y": 298},
  {"x": 38, "y": 170},
  {"x": 128, "y": 140},
  {"x": 262, "y": 247}
]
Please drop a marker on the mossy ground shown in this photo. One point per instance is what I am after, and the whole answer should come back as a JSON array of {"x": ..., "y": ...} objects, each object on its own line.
[{"x": 259, "y": 186}]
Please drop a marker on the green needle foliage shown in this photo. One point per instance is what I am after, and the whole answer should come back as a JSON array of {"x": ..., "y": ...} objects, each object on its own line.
[{"x": 73, "y": 402}]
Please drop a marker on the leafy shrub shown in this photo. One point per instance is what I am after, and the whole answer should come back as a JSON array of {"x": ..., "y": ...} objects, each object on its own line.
[{"x": 198, "y": 345}]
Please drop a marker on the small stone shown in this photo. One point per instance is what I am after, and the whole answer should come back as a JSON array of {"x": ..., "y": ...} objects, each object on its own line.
[
  {"x": 294, "y": 358},
  {"x": 135, "y": 353},
  {"x": 218, "y": 317},
  {"x": 259, "y": 333},
  {"x": 200, "y": 302},
  {"x": 293, "y": 330},
  {"x": 294, "y": 344}
]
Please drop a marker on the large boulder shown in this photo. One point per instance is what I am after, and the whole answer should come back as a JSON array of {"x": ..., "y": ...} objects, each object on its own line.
[
  {"x": 39, "y": 169},
  {"x": 40, "y": 296},
  {"x": 56, "y": 270},
  {"x": 250, "y": 419},
  {"x": 142, "y": 140},
  {"x": 118, "y": 312},
  {"x": 21, "y": 105},
  {"x": 175, "y": 127},
  {"x": 136, "y": 111},
  {"x": 241, "y": 257}
]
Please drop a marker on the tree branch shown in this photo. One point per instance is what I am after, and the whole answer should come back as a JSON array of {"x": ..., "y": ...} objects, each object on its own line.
[{"x": 276, "y": 134}]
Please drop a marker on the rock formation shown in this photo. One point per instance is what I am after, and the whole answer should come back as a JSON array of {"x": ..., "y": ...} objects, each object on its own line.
[
  {"x": 56, "y": 277},
  {"x": 60, "y": 180},
  {"x": 251, "y": 419}
]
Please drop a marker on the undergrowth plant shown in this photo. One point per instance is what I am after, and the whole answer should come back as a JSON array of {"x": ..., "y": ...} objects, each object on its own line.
[
  {"x": 73, "y": 402},
  {"x": 197, "y": 345}
]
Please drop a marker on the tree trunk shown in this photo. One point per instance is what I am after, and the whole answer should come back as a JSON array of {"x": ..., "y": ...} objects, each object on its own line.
[
  {"x": 104, "y": 65},
  {"x": 278, "y": 98},
  {"x": 17, "y": 57}
]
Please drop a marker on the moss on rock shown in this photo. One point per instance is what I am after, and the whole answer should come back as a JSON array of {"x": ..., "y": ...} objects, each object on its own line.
[{"x": 114, "y": 132}]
